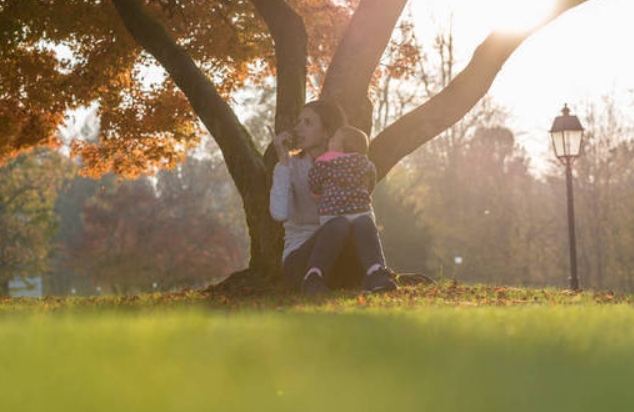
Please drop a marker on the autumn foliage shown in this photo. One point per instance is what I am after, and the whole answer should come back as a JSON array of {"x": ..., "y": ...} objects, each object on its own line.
[
  {"x": 61, "y": 55},
  {"x": 28, "y": 189},
  {"x": 136, "y": 239}
]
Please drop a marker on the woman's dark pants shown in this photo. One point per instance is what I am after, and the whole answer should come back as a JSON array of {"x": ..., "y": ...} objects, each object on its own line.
[{"x": 344, "y": 250}]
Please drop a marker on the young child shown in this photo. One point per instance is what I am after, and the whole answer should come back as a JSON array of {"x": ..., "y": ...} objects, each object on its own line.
[{"x": 344, "y": 177}]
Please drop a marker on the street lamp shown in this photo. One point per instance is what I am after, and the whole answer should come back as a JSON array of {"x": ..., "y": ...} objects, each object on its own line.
[{"x": 566, "y": 134}]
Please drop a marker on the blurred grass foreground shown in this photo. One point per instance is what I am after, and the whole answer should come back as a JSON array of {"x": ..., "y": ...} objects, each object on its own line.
[{"x": 467, "y": 350}]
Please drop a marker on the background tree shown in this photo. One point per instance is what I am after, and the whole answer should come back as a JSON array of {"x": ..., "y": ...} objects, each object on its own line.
[
  {"x": 479, "y": 204},
  {"x": 69, "y": 209},
  {"x": 604, "y": 193},
  {"x": 136, "y": 237},
  {"x": 28, "y": 188},
  {"x": 401, "y": 88},
  {"x": 208, "y": 48}
]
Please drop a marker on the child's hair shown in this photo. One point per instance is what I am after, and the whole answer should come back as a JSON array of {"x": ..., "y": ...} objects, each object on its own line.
[{"x": 354, "y": 140}]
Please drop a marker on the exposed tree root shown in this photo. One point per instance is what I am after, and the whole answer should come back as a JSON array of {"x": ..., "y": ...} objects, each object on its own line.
[
  {"x": 406, "y": 279},
  {"x": 247, "y": 282}
]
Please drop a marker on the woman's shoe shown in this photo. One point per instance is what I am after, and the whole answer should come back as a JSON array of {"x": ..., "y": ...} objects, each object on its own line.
[
  {"x": 378, "y": 281},
  {"x": 314, "y": 285}
]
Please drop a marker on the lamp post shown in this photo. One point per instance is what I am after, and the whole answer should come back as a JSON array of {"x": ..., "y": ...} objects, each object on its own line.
[{"x": 566, "y": 134}]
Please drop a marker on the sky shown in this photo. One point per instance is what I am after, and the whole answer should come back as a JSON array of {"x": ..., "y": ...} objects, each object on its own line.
[{"x": 578, "y": 58}]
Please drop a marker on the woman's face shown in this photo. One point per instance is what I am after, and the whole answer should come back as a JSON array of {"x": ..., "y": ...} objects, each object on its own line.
[{"x": 309, "y": 130}]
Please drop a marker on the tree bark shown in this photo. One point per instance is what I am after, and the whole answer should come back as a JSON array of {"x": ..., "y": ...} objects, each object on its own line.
[
  {"x": 357, "y": 57},
  {"x": 290, "y": 38}
]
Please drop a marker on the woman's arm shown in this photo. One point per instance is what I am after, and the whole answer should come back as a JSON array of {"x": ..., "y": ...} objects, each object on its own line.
[{"x": 280, "y": 195}]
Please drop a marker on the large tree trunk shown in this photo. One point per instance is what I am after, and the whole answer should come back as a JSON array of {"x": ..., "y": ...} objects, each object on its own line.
[
  {"x": 267, "y": 236},
  {"x": 347, "y": 81}
]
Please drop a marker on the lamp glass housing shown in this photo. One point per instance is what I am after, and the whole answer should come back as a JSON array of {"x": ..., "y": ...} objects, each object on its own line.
[
  {"x": 566, "y": 135},
  {"x": 567, "y": 143}
]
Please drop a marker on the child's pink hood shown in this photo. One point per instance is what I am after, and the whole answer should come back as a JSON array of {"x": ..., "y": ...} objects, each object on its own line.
[{"x": 332, "y": 155}]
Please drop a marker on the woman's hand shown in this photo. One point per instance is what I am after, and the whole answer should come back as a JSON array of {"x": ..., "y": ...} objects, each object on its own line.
[{"x": 282, "y": 142}]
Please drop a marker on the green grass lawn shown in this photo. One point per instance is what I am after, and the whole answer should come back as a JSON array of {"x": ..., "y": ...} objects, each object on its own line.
[{"x": 448, "y": 348}]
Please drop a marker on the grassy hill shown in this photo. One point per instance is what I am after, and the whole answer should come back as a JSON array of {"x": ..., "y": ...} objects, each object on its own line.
[{"x": 445, "y": 347}]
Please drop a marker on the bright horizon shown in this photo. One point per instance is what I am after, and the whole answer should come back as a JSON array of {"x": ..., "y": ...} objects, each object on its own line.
[{"x": 578, "y": 58}]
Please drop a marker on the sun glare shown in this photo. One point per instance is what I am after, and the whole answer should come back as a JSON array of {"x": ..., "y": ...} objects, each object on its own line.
[
  {"x": 479, "y": 18},
  {"x": 562, "y": 63},
  {"x": 517, "y": 15}
]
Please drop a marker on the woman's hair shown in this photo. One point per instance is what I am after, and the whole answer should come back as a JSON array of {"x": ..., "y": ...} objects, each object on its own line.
[{"x": 330, "y": 113}]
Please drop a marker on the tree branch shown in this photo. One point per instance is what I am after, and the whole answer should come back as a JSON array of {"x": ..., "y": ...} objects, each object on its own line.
[
  {"x": 454, "y": 101},
  {"x": 357, "y": 57},
  {"x": 4, "y": 205},
  {"x": 243, "y": 161},
  {"x": 289, "y": 34}
]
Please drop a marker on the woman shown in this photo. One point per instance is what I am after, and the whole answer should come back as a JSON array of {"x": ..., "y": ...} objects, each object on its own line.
[{"x": 339, "y": 254}]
